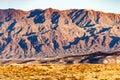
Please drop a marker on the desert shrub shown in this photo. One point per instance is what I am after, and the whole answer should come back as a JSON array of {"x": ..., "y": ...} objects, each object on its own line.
[
  {"x": 117, "y": 79},
  {"x": 81, "y": 78}
]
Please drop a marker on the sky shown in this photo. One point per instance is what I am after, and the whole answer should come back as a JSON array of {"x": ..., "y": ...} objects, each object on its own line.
[{"x": 98, "y": 5}]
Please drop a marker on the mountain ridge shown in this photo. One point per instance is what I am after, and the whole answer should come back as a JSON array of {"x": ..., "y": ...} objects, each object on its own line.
[{"x": 59, "y": 10}]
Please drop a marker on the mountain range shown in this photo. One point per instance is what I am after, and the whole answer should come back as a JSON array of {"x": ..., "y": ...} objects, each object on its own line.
[{"x": 49, "y": 33}]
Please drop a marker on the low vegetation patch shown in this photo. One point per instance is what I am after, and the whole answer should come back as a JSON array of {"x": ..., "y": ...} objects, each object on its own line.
[{"x": 60, "y": 72}]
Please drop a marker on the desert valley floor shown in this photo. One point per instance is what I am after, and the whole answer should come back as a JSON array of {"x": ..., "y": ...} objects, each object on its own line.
[{"x": 60, "y": 72}]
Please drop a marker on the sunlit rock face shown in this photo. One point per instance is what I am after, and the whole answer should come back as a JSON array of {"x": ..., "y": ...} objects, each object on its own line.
[{"x": 48, "y": 33}]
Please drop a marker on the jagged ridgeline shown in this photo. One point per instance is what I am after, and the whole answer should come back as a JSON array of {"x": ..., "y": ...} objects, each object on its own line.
[{"x": 48, "y": 33}]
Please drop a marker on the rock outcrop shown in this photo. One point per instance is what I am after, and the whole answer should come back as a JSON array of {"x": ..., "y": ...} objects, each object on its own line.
[{"x": 48, "y": 33}]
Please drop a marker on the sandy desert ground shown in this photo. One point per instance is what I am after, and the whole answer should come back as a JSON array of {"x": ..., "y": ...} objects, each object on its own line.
[{"x": 60, "y": 72}]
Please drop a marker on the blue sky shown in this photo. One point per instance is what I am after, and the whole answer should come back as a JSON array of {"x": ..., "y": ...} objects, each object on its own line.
[{"x": 99, "y": 5}]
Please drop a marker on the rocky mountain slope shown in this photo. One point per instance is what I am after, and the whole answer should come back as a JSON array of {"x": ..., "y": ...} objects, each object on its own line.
[{"x": 48, "y": 33}]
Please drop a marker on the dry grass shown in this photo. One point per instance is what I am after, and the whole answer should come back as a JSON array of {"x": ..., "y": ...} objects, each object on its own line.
[{"x": 60, "y": 72}]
